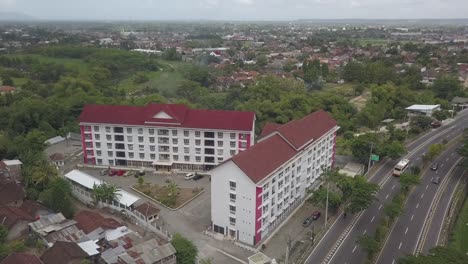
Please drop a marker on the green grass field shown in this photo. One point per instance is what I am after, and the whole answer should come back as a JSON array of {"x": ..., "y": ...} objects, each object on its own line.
[
  {"x": 460, "y": 232},
  {"x": 76, "y": 64}
]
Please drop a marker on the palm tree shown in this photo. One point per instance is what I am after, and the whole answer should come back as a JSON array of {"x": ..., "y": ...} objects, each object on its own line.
[
  {"x": 43, "y": 173},
  {"x": 172, "y": 189},
  {"x": 105, "y": 192}
]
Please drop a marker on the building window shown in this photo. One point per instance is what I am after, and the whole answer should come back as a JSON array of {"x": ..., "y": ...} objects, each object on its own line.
[
  {"x": 232, "y": 185},
  {"x": 97, "y": 136},
  {"x": 175, "y": 149},
  {"x": 98, "y": 145},
  {"x": 99, "y": 161},
  {"x": 130, "y": 147},
  {"x": 140, "y": 139},
  {"x": 141, "y": 147},
  {"x": 220, "y": 152},
  {"x": 232, "y": 221},
  {"x": 243, "y": 136},
  {"x": 197, "y": 142},
  {"x": 129, "y": 138},
  {"x": 197, "y": 150},
  {"x": 243, "y": 144},
  {"x": 108, "y": 137},
  {"x": 151, "y": 139},
  {"x": 108, "y": 129},
  {"x": 151, "y": 131},
  {"x": 142, "y": 155},
  {"x": 220, "y": 159},
  {"x": 152, "y": 148},
  {"x": 98, "y": 153},
  {"x": 186, "y": 141},
  {"x": 109, "y": 145},
  {"x": 232, "y": 209},
  {"x": 175, "y": 141},
  {"x": 175, "y": 157},
  {"x": 129, "y": 130},
  {"x": 197, "y": 133},
  {"x": 233, "y": 135},
  {"x": 186, "y": 150},
  {"x": 152, "y": 156},
  {"x": 232, "y": 152},
  {"x": 174, "y": 132},
  {"x": 110, "y": 153},
  {"x": 140, "y": 131},
  {"x": 96, "y": 128},
  {"x": 220, "y": 134},
  {"x": 232, "y": 197},
  {"x": 131, "y": 155},
  {"x": 220, "y": 143},
  {"x": 233, "y": 144},
  {"x": 197, "y": 158},
  {"x": 186, "y": 133},
  {"x": 111, "y": 162},
  {"x": 187, "y": 158},
  {"x": 89, "y": 145}
]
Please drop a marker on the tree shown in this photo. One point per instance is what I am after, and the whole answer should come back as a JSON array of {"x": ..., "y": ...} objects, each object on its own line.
[
  {"x": 434, "y": 151},
  {"x": 393, "y": 209},
  {"x": 440, "y": 115},
  {"x": 58, "y": 197},
  {"x": 319, "y": 197},
  {"x": 362, "y": 194},
  {"x": 369, "y": 244},
  {"x": 105, "y": 193},
  {"x": 421, "y": 122},
  {"x": 463, "y": 150},
  {"x": 407, "y": 180},
  {"x": 172, "y": 189},
  {"x": 140, "y": 78},
  {"x": 394, "y": 149},
  {"x": 446, "y": 87},
  {"x": 186, "y": 250},
  {"x": 3, "y": 233},
  {"x": 437, "y": 255},
  {"x": 141, "y": 181},
  {"x": 7, "y": 81},
  {"x": 171, "y": 54},
  {"x": 262, "y": 61}
]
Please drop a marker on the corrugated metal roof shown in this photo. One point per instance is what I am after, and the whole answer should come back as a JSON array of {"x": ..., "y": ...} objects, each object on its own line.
[{"x": 90, "y": 247}]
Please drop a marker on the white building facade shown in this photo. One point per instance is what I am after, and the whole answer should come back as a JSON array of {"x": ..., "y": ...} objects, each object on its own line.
[
  {"x": 164, "y": 136},
  {"x": 256, "y": 190}
]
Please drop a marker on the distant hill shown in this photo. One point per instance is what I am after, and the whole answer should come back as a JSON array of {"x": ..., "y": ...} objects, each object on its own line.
[{"x": 13, "y": 16}]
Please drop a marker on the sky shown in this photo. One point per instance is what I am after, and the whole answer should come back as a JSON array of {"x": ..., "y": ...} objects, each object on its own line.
[{"x": 235, "y": 9}]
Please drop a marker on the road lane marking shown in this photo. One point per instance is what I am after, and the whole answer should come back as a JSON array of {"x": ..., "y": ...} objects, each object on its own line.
[
  {"x": 372, "y": 220},
  {"x": 452, "y": 154},
  {"x": 386, "y": 197},
  {"x": 427, "y": 186},
  {"x": 412, "y": 218},
  {"x": 447, "y": 159},
  {"x": 441, "y": 166},
  {"x": 401, "y": 243},
  {"x": 393, "y": 186},
  {"x": 393, "y": 261},
  {"x": 422, "y": 195},
  {"x": 417, "y": 205},
  {"x": 365, "y": 231},
  {"x": 406, "y": 231},
  {"x": 437, "y": 172},
  {"x": 354, "y": 248},
  {"x": 380, "y": 206}
]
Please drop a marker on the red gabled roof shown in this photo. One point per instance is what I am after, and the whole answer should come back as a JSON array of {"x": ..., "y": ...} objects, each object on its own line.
[
  {"x": 21, "y": 258},
  {"x": 9, "y": 216},
  {"x": 89, "y": 221},
  {"x": 181, "y": 116},
  {"x": 280, "y": 143},
  {"x": 63, "y": 252},
  {"x": 264, "y": 157}
]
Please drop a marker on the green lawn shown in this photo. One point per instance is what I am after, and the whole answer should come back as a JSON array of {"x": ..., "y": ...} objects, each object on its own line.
[
  {"x": 76, "y": 64},
  {"x": 460, "y": 232},
  {"x": 345, "y": 89}
]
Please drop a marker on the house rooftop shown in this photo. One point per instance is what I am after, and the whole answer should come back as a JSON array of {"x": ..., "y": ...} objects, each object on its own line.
[
  {"x": 21, "y": 258},
  {"x": 88, "y": 221},
  {"x": 147, "y": 209},
  {"x": 167, "y": 115},
  {"x": 11, "y": 191},
  {"x": 64, "y": 252}
]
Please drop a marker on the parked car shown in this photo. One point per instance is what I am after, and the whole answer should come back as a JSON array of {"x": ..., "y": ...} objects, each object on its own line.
[
  {"x": 197, "y": 177},
  {"x": 141, "y": 172},
  {"x": 120, "y": 173},
  {"x": 436, "y": 123},
  {"x": 434, "y": 166},
  {"x": 435, "y": 180},
  {"x": 307, "y": 221},
  {"x": 316, "y": 215},
  {"x": 189, "y": 176},
  {"x": 112, "y": 172}
]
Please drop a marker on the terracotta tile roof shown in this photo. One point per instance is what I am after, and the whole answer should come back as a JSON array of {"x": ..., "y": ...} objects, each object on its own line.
[
  {"x": 56, "y": 157},
  {"x": 7, "y": 89},
  {"x": 147, "y": 209},
  {"x": 9, "y": 216},
  {"x": 32, "y": 208},
  {"x": 10, "y": 192},
  {"x": 21, "y": 258},
  {"x": 89, "y": 221},
  {"x": 264, "y": 157},
  {"x": 269, "y": 128},
  {"x": 181, "y": 115},
  {"x": 63, "y": 253},
  {"x": 280, "y": 143}
]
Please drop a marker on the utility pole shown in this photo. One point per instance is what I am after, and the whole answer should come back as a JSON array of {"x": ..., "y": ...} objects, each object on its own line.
[
  {"x": 370, "y": 157},
  {"x": 326, "y": 206}
]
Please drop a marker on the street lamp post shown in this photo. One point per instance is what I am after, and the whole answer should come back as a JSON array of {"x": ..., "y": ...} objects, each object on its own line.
[{"x": 370, "y": 157}]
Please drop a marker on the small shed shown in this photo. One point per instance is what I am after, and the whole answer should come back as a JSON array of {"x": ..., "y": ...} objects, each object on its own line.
[
  {"x": 352, "y": 169},
  {"x": 427, "y": 110}
]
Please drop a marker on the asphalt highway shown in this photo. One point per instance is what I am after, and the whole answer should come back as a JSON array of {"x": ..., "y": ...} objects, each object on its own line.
[{"x": 338, "y": 245}]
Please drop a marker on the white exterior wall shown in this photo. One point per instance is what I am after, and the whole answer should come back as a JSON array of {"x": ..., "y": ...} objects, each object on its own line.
[
  {"x": 222, "y": 144},
  {"x": 282, "y": 190},
  {"x": 245, "y": 201}
]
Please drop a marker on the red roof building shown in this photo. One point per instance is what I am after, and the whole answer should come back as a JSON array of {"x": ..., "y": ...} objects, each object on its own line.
[
  {"x": 21, "y": 258},
  {"x": 255, "y": 190},
  {"x": 89, "y": 221},
  {"x": 163, "y": 135}
]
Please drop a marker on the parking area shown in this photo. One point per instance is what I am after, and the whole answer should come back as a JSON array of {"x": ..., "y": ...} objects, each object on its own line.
[{"x": 295, "y": 232}]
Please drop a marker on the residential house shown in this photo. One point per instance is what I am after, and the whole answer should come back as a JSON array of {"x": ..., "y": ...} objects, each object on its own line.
[
  {"x": 15, "y": 220},
  {"x": 148, "y": 212},
  {"x": 21, "y": 258},
  {"x": 149, "y": 252},
  {"x": 11, "y": 194},
  {"x": 64, "y": 252},
  {"x": 55, "y": 227},
  {"x": 89, "y": 221},
  {"x": 57, "y": 159},
  {"x": 7, "y": 90},
  {"x": 11, "y": 169}
]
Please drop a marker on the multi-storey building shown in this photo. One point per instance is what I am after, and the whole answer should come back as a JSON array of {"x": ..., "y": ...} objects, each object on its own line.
[
  {"x": 255, "y": 190},
  {"x": 166, "y": 136}
]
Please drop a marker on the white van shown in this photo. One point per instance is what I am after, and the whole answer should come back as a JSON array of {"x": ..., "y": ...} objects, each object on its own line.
[{"x": 189, "y": 176}]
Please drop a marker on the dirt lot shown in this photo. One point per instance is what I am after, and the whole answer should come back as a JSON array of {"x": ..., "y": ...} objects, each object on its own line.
[{"x": 162, "y": 195}]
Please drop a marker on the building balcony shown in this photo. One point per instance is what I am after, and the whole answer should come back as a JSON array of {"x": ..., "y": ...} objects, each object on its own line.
[{"x": 209, "y": 134}]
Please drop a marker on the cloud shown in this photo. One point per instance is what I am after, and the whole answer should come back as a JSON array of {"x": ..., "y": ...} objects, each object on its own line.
[{"x": 246, "y": 2}]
